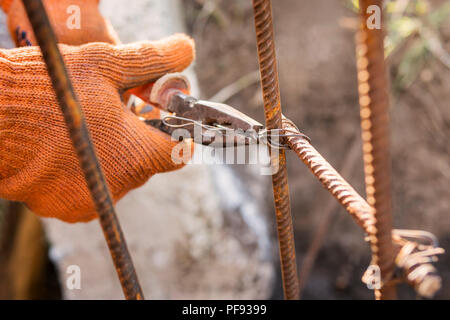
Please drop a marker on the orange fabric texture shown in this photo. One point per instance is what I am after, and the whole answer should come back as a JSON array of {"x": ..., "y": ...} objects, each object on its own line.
[
  {"x": 38, "y": 165},
  {"x": 5, "y": 4},
  {"x": 93, "y": 27}
]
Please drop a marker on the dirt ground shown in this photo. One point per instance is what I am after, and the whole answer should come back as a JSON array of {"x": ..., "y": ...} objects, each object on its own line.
[{"x": 319, "y": 93}]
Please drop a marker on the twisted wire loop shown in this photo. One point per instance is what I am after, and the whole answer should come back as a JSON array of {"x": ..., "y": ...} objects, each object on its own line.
[
  {"x": 262, "y": 10},
  {"x": 413, "y": 259},
  {"x": 264, "y": 136},
  {"x": 82, "y": 143},
  {"x": 374, "y": 109}
]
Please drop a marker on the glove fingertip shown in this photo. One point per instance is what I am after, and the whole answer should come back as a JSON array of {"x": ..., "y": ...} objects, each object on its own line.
[
  {"x": 162, "y": 152},
  {"x": 143, "y": 62},
  {"x": 185, "y": 44}
]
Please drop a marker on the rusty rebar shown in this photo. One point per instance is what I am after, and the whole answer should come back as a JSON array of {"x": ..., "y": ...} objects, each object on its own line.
[
  {"x": 79, "y": 134},
  {"x": 272, "y": 109},
  {"x": 329, "y": 211},
  {"x": 374, "y": 111},
  {"x": 358, "y": 208},
  {"x": 412, "y": 258}
]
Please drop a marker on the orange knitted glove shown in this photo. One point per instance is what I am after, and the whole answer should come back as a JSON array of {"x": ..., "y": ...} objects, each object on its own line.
[
  {"x": 38, "y": 164},
  {"x": 93, "y": 27}
]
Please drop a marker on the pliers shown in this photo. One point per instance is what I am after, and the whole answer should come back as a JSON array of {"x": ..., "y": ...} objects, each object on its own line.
[{"x": 208, "y": 123}]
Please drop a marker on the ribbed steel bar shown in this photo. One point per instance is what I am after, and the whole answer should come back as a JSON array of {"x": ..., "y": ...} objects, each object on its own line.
[
  {"x": 272, "y": 108},
  {"x": 81, "y": 140},
  {"x": 328, "y": 211},
  {"x": 374, "y": 111},
  {"x": 414, "y": 259},
  {"x": 358, "y": 208}
]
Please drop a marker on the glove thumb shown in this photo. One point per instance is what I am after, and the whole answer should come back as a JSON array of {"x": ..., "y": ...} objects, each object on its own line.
[{"x": 136, "y": 64}]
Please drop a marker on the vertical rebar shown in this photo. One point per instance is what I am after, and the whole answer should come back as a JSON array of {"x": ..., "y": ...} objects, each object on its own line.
[
  {"x": 374, "y": 110},
  {"x": 76, "y": 124},
  {"x": 272, "y": 107}
]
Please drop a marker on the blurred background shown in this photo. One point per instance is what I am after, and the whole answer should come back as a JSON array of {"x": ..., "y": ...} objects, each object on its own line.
[
  {"x": 315, "y": 49},
  {"x": 316, "y": 56}
]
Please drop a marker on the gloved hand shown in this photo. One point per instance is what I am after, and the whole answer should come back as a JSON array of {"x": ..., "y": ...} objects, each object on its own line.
[
  {"x": 38, "y": 164},
  {"x": 93, "y": 27}
]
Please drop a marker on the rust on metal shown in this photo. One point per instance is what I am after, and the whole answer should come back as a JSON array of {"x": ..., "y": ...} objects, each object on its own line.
[
  {"x": 272, "y": 107},
  {"x": 81, "y": 140},
  {"x": 413, "y": 259},
  {"x": 359, "y": 209},
  {"x": 374, "y": 111}
]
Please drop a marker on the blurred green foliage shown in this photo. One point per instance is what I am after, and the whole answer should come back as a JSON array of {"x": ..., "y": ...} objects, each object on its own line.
[{"x": 413, "y": 27}]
